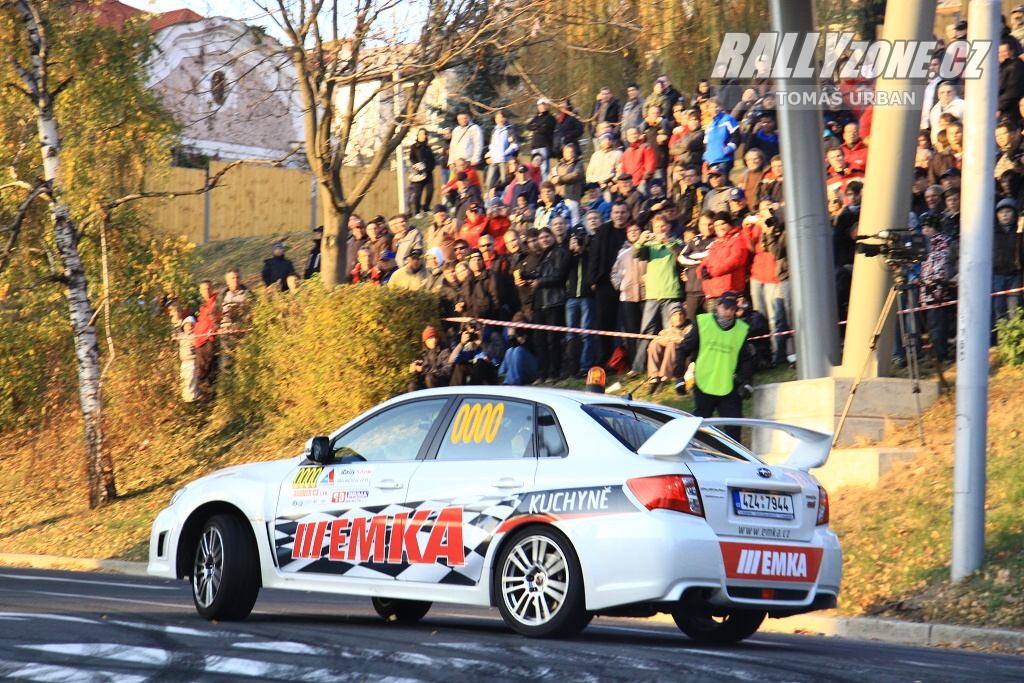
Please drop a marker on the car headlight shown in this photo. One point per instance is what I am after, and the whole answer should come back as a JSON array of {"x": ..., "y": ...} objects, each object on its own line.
[{"x": 178, "y": 494}]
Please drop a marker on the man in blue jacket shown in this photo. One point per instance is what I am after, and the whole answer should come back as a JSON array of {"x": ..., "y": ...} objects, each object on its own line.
[{"x": 720, "y": 138}]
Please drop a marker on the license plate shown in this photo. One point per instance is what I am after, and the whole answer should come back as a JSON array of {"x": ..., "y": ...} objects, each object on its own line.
[{"x": 762, "y": 504}]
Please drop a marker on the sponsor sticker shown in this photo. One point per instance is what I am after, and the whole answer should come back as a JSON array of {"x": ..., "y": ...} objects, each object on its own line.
[
  {"x": 770, "y": 562},
  {"x": 349, "y": 496},
  {"x": 477, "y": 423},
  {"x": 764, "y": 532},
  {"x": 307, "y": 477}
]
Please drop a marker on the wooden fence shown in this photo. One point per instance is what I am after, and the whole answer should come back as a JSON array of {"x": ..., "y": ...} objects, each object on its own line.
[{"x": 250, "y": 200}]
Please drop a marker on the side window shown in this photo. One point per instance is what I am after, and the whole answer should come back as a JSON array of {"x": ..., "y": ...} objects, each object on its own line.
[
  {"x": 489, "y": 429},
  {"x": 394, "y": 435},
  {"x": 550, "y": 441}
]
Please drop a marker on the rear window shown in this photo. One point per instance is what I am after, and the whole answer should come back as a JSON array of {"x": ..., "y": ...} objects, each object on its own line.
[
  {"x": 631, "y": 426},
  {"x": 707, "y": 445}
]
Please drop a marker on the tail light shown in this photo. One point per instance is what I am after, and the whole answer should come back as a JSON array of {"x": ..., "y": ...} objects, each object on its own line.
[
  {"x": 668, "y": 492},
  {"x": 822, "y": 506}
]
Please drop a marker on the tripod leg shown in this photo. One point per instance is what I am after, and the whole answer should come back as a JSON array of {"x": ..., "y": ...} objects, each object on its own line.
[
  {"x": 879, "y": 325},
  {"x": 909, "y": 339}
]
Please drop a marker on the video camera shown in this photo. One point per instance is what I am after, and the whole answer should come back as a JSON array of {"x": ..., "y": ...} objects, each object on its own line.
[{"x": 897, "y": 246}]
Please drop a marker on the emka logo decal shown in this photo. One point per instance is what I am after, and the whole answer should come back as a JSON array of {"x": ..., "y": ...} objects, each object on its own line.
[
  {"x": 771, "y": 562},
  {"x": 384, "y": 538}
]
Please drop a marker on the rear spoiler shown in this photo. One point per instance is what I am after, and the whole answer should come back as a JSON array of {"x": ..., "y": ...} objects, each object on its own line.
[{"x": 811, "y": 451}]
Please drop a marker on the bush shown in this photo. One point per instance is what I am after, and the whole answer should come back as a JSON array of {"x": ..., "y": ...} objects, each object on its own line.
[
  {"x": 1011, "y": 338},
  {"x": 315, "y": 359}
]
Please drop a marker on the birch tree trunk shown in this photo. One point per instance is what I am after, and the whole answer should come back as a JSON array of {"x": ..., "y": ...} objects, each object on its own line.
[{"x": 99, "y": 465}]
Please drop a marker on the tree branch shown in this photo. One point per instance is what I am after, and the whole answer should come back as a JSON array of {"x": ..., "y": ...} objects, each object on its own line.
[{"x": 19, "y": 217}]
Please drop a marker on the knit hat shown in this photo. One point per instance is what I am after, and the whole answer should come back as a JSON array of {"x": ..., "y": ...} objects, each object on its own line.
[
  {"x": 428, "y": 332},
  {"x": 437, "y": 253}
]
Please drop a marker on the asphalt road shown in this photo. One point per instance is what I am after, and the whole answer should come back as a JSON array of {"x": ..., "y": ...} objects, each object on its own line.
[{"x": 75, "y": 627}]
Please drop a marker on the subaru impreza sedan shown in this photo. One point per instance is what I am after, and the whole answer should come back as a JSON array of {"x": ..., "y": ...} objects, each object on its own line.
[{"x": 551, "y": 505}]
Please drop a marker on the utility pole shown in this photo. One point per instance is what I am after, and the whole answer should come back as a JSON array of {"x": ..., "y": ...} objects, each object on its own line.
[
  {"x": 974, "y": 310},
  {"x": 886, "y": 199},
  {"x": 396, "y": 108},
  {"x": 808, "y": 231}
]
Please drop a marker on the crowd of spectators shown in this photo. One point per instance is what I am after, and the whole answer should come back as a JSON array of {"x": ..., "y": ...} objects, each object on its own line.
[{"x": 641, "y": 214}]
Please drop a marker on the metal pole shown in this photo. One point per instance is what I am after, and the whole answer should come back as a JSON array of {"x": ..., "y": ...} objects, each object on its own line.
[
  {"x": 400, "y": 151},
  {"x": 207, "y": 201},
  {"x": 808, "y": 232},
  {"x": 974, "y": 320},
  {"x": 886, "y": 198}
]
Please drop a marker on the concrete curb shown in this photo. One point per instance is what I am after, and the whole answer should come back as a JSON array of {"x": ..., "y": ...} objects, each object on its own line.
[
  {"x": 856, "y": 628},
  {"x": 58, "y": 562},
  {"x": 892, "y": 631}
]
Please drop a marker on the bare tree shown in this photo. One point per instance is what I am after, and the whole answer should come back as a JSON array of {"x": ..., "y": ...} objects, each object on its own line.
[
  {"x": 340, "y": 44},
  {"x": 36, "y": 80}
]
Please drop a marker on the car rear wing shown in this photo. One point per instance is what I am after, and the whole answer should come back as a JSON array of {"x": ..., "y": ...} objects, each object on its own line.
[{"x": 811, "y": 451}]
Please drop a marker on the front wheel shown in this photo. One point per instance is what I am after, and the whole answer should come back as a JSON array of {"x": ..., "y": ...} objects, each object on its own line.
[
  {"x": 540, "y": 585},
  {"x": 401, "y": 611},
  {"x": 707, "y": 626},
  {"x": 226, "y": 571}
]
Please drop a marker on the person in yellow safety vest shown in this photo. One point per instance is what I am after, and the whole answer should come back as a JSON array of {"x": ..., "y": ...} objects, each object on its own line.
[{"x": 723, "y": 362}]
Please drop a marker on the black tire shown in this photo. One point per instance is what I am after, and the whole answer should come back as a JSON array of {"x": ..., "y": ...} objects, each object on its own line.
[
  {"x": 401, "y": 611},
  {"x": 717, "y": 626},
  {"x": 225, "y": 570},
  {"x": 541, "y": 583}
]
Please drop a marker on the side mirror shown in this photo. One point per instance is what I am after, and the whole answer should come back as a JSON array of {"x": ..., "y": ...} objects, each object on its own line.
[{"x": 318, "y": 449}]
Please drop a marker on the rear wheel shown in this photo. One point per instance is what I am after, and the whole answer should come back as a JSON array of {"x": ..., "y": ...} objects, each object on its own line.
[
  {"x": 706, "y": 625},
  {"x": 401, "y": 611},
  {"x": 540, "y": 586},
  {"x": 226, "y": 570}
]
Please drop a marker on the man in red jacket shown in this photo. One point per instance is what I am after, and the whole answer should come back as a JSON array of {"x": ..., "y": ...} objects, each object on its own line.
[
  {"x": 724, "y": 269},
  {"x": 639, "y": 159},
  {"x": 855, "y": 150},
  {"x": 204, "y": 339}
]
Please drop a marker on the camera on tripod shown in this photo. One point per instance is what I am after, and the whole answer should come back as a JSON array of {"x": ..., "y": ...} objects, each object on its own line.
[{"x": 897, "y": 246}]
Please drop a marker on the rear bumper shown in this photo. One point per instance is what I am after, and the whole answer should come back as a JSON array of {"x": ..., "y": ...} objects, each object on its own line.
[{"x": 666, "y": 557}]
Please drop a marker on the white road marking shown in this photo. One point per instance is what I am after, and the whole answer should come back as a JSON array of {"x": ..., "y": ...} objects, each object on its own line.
[
  {"x": 152, "y": 656},
  {"x": 90, "y": 582},
  {"x": 179, "y": 630},
  {"x": 64, "y": 674},
  {"x": 286, "y": 646},
  {"x": 21, "y": 616},
  {"x": 97, "y": 597},
  {"x": 252, "y": 668}
]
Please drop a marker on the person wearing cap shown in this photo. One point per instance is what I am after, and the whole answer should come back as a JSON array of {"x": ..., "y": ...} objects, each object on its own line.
[
  {"x": 277, "y": 268},
  {"x": 433, "y": 265},
  {"x": 638, "y": 160},
  {"x": 504, "y": 146},
  {"x": 950, "y": 219},
  {"x": 568, "y": 174},
  {"x": 738, "y": 207},
  {"x": 521, "y": 185},
  {"x": 386, "y": 267},
  {"x": 466, "y": 195},
  {"x": 433, "y": 367},
  {"x": 474, "y": 224},
  {"x": 717, "y": 197},
  {"x": 412, "y": 275},
  {"x": 498, "y": 224},
  {"x": 467, "y": 141},
  {"x": 1007, "y": 259},
  {"x": 604, "y": 161},
  {"x": 721, "y": 136},
  {"x": 723, "y": 362},
  {"x": 662, "y": 350},
  {"x": 593, "y": 200},
  {"x": 313, "y": 258},
  {"x": 724, "y": 269},
  {"x": 542, "y": 133},
  {"x": 183, "y": 334}
]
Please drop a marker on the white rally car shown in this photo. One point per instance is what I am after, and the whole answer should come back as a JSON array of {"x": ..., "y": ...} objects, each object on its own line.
[{"x": 551, "y": 505}]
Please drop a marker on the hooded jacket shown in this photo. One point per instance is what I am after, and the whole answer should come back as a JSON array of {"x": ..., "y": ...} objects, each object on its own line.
[{"x": 725, "y": 267}]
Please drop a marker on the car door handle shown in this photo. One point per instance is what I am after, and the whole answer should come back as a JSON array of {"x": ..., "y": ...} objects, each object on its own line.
[
  {"x": 507, "y": 483},
  {"x": 387, "y": 484}
]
